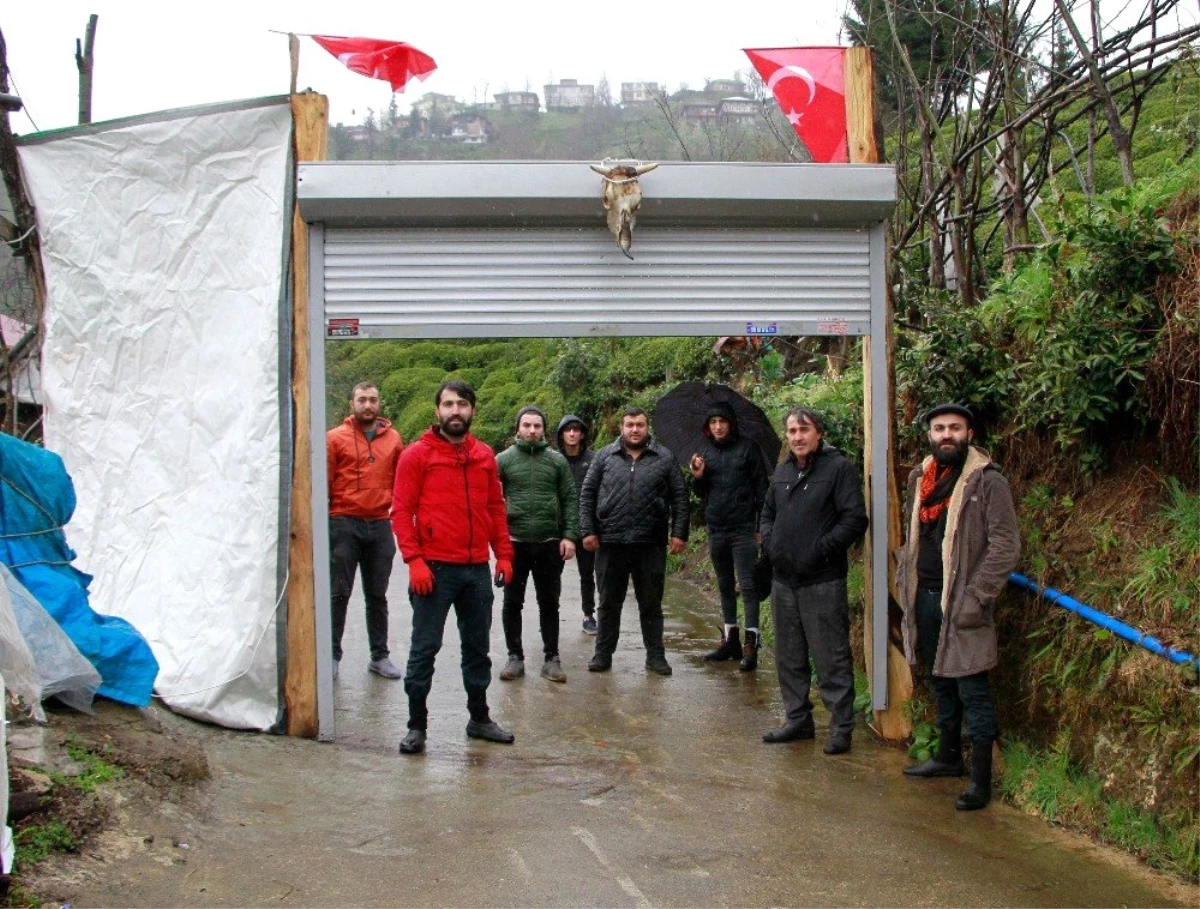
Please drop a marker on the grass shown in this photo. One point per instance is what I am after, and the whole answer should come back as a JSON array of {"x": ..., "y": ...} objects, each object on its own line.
[
  {"x": 36, "y": 841},
  {"x": 1047, "y": 781},
  {"x": 96, "y": 770}
]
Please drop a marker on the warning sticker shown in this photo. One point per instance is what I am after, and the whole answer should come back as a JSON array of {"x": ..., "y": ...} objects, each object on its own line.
[
  {"x": 833, "y": 327},
  {"x": 342, "y": 328}
]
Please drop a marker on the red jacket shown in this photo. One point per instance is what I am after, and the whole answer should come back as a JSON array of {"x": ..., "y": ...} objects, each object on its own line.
[
  {"x": 361, "y": 473},
  {"x": 448, "y": 505}
]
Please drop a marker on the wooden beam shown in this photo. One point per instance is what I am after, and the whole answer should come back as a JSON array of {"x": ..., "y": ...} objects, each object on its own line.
[
  {"x": 865, "y": 147},
  {"x": 310, "y": 116}
]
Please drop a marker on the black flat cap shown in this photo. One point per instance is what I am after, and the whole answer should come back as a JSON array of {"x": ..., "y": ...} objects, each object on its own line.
[{"x": 942, "y": 409}]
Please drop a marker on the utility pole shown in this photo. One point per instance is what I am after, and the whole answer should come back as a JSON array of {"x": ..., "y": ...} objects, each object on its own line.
[{"x": 83, "y": 62}]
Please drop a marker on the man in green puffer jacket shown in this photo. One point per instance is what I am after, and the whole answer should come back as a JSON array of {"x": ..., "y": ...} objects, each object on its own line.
[{"x": 543, "y": 521}]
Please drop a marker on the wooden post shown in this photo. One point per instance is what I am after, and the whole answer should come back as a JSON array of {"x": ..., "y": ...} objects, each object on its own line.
[
  {"x": 84, "y": 59},
  {"x": 310, "y": 115},
  {"x": 862, "y": 135}
]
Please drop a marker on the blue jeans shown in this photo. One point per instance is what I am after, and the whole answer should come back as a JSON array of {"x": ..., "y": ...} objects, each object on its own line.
[
  {"x": 468, "y": 588},
  {"x": 356, "y": 544},
  {"x": 731, "y": 551},
  {"x": 969, "y": 694}
]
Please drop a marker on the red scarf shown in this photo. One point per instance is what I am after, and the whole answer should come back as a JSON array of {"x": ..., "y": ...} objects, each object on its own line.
[{"x": 929, "y": 479}]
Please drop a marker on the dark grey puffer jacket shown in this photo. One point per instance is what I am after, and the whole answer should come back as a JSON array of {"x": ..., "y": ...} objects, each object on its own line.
[
  {"x": 628, "y": 500},
  {"x": 582, "y": 461}
]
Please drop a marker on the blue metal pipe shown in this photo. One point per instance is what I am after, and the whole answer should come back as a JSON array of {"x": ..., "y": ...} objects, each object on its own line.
[{"x": 1096, "y": 617}]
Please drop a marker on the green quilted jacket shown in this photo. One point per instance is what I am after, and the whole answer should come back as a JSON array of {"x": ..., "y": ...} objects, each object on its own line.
[{"x": 539, "y": 492}]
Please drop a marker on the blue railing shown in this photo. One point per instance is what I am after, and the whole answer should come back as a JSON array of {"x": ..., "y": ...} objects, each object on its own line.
[{"x": 1096, "y": 617}]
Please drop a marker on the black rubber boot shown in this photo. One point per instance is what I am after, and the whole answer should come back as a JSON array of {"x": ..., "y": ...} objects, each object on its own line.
[
  {"x": 979, "y": 793},
  {"x": 749, "y": 652},
  {"x": 730, "y": 648},
  {"x": 948, "y": 760}
]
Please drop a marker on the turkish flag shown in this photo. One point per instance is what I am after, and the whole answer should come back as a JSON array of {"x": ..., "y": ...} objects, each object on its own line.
[
  {"x": 809, "y": 86},
  {"x": 391, "y": 61}
]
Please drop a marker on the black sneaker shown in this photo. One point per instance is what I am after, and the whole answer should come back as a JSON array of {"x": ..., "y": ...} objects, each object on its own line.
[
  {"x": 414, "y": 742},
  {"x": 589, "y": 625},
  {"x": 658, "y": 663},
  {"x": 599, "y": 663},
  {"x": 490, "y": 731}
]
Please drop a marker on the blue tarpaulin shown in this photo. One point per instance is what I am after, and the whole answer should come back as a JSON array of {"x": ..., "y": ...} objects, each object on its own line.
[{"x": 36, "y": 501}]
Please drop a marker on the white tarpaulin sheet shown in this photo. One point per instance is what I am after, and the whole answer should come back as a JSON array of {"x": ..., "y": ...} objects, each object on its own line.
[{"x": 164, "y": 245}]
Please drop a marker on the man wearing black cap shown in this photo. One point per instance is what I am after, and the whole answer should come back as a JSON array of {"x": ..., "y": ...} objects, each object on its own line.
[
  {"x": 543, "y": 521},
  {"x": 962, "y": 541},
  {"x": 730, "y": 476}
]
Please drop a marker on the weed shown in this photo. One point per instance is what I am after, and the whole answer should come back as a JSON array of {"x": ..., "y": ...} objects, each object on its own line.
[
  {"x": 96, "y": 769},
  {"x": 36, "y": 841}
]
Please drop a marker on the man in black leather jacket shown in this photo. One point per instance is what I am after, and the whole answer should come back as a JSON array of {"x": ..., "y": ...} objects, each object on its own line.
[
  {"x": 813, "y": 514},
  {"x": 634, "y": 495}
]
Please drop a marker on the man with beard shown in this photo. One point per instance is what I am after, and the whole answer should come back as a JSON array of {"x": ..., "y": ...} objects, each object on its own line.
[
  {"x": 573, "y": 443},
  {"x": 447, "y": 509},
  {"x": 543, "y": 521},
  {"x": 633, "y": 496},
  {"x": 813, "y": 514},
  {"x": 361, "y": 456},
  {"x": 731, "y": 478},
  {"x": 962, "y": 542}
]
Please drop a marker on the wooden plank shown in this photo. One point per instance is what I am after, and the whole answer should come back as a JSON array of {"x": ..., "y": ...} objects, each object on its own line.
[
  {"x": 310, "y": 117},
  {"x": 862, "y": 136}
]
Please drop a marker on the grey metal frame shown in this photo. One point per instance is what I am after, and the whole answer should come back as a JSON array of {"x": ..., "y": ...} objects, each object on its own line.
[{"x": 565, "y": 194}]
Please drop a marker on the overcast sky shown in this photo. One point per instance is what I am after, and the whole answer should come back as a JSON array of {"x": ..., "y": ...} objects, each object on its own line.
[{"x": 158, "y": 55}]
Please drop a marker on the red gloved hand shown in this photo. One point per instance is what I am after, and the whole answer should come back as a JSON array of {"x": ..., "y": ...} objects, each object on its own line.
[
  {"x": 503, "y": 572},
  {"x": 420, "y": 577}
]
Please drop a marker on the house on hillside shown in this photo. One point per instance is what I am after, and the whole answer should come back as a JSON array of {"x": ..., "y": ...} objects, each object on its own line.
[
  {"x": 738, "y": 110},
  {"x": 468, "y": 129},
  {"x": 698, "y": 112},
  {"x": 518, "y": 102},
  {"x": 568, "y": 94},
  {"x": 431, "y": 106},
  {"x": 725, "y": 87},
  {"x": 638, "y": 94}
]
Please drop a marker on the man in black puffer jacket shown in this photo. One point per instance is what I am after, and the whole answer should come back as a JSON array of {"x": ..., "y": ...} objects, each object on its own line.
[
  {"x": 730, "y": 475},
  {"x": 633, "y": 496},
  {"x": 573, "y": 444},
  {"x": 813, "y": 514}
]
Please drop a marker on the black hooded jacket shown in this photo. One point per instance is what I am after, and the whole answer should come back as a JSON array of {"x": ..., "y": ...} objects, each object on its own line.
[
  {"x": 734, "y": 481},
  {"x": 582, "y": 461},
  {"x": 627, "y": 500},
  {"x": 811, "y": 519}
]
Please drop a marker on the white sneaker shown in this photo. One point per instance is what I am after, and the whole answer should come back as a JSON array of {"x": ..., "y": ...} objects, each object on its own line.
[{"x": 385, "y": 668}]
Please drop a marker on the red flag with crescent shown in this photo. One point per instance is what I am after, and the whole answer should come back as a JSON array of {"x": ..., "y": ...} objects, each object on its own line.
[
  {"x": 809, "y": 85},
  {"x": 391, "y": 61}
]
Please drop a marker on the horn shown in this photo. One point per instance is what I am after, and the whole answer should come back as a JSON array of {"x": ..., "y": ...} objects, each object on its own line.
[
  {"x": 602, "y": 171},
  {"x": 646, "y": 168}
]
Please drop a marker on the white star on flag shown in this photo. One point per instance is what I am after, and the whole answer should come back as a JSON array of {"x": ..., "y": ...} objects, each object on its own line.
[{"x": 794, "y": 118}]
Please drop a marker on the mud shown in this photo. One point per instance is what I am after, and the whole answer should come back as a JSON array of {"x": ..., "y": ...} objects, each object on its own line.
[{"x": 623, "y": 789}]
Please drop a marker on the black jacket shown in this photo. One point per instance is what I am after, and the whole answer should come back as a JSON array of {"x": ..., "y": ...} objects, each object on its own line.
[
  {"x": 809, "y": 523},
  {"x": 624, "y": 500},
  {"x": 582, "y": 461},
  {"x": 733, "y": 483}
]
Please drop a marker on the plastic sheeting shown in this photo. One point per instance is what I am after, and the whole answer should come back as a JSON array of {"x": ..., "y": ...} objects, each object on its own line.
[
  {"x": 164, "y": 240},
  {"x": 36, "y": 501}
]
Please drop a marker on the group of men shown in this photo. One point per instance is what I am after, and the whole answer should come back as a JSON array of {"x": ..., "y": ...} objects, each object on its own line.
[{"x": 452, "y": 504}]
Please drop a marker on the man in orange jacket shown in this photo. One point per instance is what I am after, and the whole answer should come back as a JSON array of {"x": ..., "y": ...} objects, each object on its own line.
[
  {"x": 362, "y": 454},
  {"x": 447, "y": 512}
]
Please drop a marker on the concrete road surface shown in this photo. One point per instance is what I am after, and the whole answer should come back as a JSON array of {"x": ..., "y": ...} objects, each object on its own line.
[{"x": 623, "y": 789}]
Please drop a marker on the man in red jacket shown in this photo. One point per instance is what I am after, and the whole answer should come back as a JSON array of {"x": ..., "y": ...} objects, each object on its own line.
[
  {"x": 362, "y": 455},
  {"x": 447, "y": 510}
]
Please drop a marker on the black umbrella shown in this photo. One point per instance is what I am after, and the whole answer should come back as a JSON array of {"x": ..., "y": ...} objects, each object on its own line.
[{"x": 682, "y": 413}]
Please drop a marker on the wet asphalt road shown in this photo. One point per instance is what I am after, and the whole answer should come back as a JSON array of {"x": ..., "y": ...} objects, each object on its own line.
[{"x": 623, "y": 789}]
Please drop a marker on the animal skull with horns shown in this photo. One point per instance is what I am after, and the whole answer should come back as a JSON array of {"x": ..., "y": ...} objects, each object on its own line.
[{"x": 622, "y": 197}]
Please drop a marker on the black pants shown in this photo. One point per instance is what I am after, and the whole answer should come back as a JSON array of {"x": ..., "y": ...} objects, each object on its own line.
[
  {"x": 468, "y": 588},
  {"x": 616, "y": 564},
  {"x": 543, "y": 561},
  {"x": 969, "y": 694},
  {"x": 585, "y": 559},
  {"x": 813, "y": 621},
  {"x": 734, "y": 551},
  {"x": 359, "y": 544}
]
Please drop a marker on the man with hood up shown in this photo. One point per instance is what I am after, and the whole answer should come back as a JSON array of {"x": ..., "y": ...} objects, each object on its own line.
[
  {"x": 361, "y": 457},
  {"x": 813, "y": 514},
  {"x": 573, "y": 444},
  {"x": 543, "y": 521},
  {"x": 730, "y": 476},
  {"x": 961, "y": 543}
]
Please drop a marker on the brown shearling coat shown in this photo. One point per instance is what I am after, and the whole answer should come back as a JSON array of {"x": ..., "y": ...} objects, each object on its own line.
[{"x": 981, "y": 549}]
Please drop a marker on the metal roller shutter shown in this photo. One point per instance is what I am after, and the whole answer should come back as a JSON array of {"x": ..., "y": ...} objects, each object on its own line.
[{"x": 403, "y": 282}]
